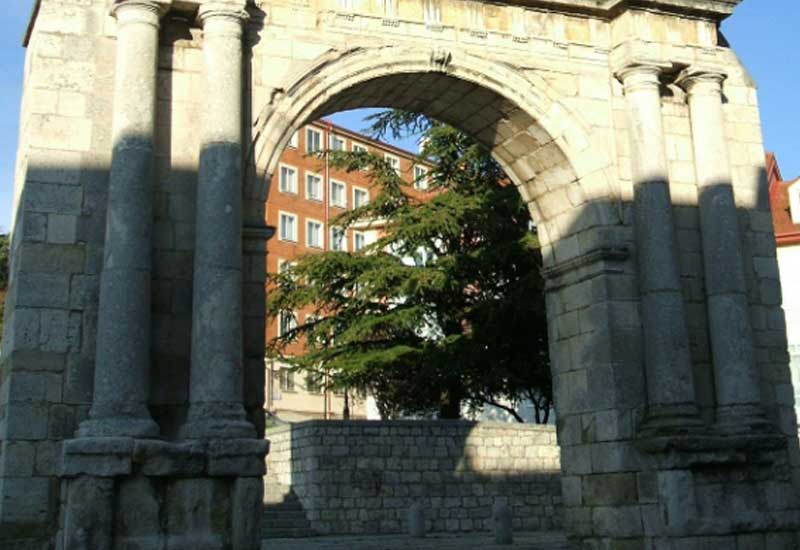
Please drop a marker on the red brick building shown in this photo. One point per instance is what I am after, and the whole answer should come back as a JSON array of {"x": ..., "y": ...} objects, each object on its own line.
[
  {"x": 785, "y": 203},
  {"x": 305, "y": 196}
]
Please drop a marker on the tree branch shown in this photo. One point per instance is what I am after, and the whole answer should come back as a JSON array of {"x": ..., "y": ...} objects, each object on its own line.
[{"x": 506, "y": 408}]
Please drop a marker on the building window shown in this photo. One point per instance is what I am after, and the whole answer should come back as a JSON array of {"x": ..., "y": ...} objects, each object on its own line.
[
  {"x": 338, "y": 194},
  {"x": 359, "y": 240},
  {"x": 288, "y": 177},
  {"x": 433, "y": 12},
  {"x": 393, "y": 161},
  {"x": 313, "y": 140},
  {"x": 314, "y": 234},
  {"x": 389, "y": 8},
  {"x": 287, "y": 322},
  {"x": 294, "y": 141},
  {"x": 338, "y": 239},
  {"x": 287, "y": 380},
  {"x": 337, "y": 143},
  {"x": 358, "y": 148},
  {"x": 288, "y": 227},
  {"x": 313, "y": 383},
  {"x": 313, "y": 187},
  {"x": 360, "y": 197},
  {"x": 420, "y": 177}
]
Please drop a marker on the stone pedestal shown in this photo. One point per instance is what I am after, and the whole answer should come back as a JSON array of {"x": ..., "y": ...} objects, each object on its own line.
[{"x": 134, "y": 493}]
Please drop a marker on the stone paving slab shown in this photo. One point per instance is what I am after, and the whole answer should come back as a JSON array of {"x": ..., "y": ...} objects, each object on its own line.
[{"x": 439, "y": 541}]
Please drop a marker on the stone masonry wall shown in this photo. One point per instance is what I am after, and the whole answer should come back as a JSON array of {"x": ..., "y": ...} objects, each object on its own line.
[{"x": 362, "y": 476}]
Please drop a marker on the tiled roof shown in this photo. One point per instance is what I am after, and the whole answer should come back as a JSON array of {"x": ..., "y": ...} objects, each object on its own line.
[{"x": 786, "y": 231}]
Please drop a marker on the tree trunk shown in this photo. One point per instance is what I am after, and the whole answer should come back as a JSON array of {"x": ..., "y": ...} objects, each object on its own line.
[{"x": 450, "y": 406}]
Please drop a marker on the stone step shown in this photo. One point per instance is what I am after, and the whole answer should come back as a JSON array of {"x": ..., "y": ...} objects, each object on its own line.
[
  {"x": 287, "y": 533},
  {"x": 284, "y": 514},
  {"x": 286, "y": 504},
  {"x": 285, "y": 523}
]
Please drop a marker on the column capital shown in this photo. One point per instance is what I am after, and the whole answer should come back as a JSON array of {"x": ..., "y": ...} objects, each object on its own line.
[
  {"x": 640, "y": 74},
  {"x": 231, "y": 11},
  {"x": 701, "y": 80},
  {"x": 121, "y": 8}
]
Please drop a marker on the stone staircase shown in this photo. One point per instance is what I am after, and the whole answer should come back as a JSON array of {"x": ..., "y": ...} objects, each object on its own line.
[{"x": 284, "y": 516}]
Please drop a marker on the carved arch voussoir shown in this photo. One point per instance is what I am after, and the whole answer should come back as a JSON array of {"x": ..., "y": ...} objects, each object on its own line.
[{"x": 336, "y": 71}]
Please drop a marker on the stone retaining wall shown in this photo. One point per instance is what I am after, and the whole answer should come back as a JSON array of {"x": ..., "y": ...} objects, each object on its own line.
[{"x": 362, "y": 476}]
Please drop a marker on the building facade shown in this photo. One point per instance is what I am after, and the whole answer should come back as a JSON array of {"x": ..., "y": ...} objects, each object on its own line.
[
  {"x": 303, "y": 202},
  {"x": 785, "y": 201}
]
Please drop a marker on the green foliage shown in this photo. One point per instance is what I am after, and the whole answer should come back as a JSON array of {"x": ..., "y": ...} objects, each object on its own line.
[{"x": 464, "y": 323}]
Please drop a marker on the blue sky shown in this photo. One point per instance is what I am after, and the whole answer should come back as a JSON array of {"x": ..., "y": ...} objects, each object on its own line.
[{"x": 762, "y": 32}]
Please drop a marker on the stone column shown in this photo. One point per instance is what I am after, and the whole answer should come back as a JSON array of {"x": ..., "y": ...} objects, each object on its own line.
[
  {"x": 216, "y": 379},
  {"x": 672, "y": 409},
  {"x": 122, "y": 366},
  {"x": 736, "y": 377}
]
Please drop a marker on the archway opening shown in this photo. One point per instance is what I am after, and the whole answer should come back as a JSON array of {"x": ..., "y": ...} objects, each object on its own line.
[{"x": 532, "y": 156}]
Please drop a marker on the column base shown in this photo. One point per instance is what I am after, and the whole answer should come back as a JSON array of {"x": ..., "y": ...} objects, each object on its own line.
[
  {"x": 672, "y": 420},
  {"x": 118, "y": 420},
  {"x": 217, "y": 421},
  {"x": 742, "y": 420},
  {"x": 670, "y": 426}
]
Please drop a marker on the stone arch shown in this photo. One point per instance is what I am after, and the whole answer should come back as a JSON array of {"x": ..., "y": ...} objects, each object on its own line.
[{"x": 544, "y": 147}]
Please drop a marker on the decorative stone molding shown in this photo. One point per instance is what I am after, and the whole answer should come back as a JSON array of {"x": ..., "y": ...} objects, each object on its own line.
[
  {"x": 122, "y": 456},
  {"x": 156, "y": 7},
  {"x": 233, "y": 11},
  {"x": 595, "y": 262}
]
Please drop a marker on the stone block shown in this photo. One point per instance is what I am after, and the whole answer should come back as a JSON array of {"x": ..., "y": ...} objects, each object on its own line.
[
  {"x": 24, "y": 421},
  {"x": 51, "y": 258},
  {"x": 22, "y": 330},
  {"x": 161, "y": 458},
  {"x": 48, "y": 458},
  {"x": 34, "y": 226},
  {"x": 60, "y": 330},
  {"x": 98, "y": 457},
  {"x": 246, "y": 512},
  {"x": 89, "y": 513},
  {"x": 34, "y": 386},
  {"x": 48, "y": 290},
  {"x": 137, "y": 521},
  {"x": 79, "y": 380},
  {"x": 52, "y": 198},
  {"x": 237, "y": 457},
  {"x": 25, "y": 499},
  {"x": 62, "y": 228},
  {"x": 609, "y": 489},
  {"x": 16, "y": 458},
  {"x": 61, "y": 422},
  {"x": 197, "y": 512}
]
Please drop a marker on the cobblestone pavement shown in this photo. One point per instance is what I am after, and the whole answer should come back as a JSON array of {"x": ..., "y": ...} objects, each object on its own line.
[{"x": 482, "y": 541}]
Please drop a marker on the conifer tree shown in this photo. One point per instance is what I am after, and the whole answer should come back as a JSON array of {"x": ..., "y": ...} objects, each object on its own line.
[{"x": 446, "y": 309}]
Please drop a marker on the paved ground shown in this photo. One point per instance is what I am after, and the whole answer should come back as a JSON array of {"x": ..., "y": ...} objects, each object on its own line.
[{"x": 479, "y": 541}]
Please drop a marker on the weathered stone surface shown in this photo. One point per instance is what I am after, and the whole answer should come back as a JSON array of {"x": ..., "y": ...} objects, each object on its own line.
[
  {"x": 160, "y": 458},
  {"x": 100, "y": 457},
  {"x": 604, "y": 165},
  {"x": 237, "y": 457},
  {"x": 88, "y": 519},
  {"x": 364, "y": 477}
]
